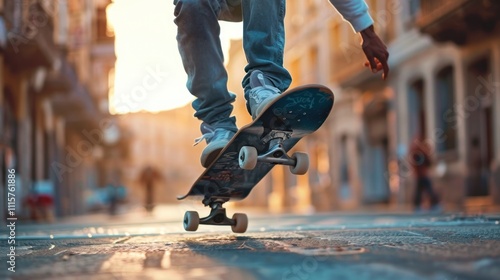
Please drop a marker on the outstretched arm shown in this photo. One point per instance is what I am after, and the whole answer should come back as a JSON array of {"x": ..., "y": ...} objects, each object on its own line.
[
  {"x": 375, "y": 51},
  {"x": 356, "y": 13}
]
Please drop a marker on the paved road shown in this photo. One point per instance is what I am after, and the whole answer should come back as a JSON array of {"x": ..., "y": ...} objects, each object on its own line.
[{"x": 320, "y": 246}]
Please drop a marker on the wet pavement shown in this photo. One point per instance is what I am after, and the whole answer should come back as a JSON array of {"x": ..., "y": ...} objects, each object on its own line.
[{"x": 318, "y": 246}]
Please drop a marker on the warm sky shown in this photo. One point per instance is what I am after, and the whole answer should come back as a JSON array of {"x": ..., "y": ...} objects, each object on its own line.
[{"x": 149, "y": 73}]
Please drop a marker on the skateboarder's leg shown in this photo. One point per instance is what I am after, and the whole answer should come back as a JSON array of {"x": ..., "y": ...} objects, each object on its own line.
[
  {"x": 200, "y": 49},
  {"x": 263, "y": 42}
]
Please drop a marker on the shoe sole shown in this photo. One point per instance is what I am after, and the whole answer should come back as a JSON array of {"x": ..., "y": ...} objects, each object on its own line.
[
  {"x": 263, "y": 106},
  {"x": 208, "y": 157},
  {"x": 211, "y": 157}
]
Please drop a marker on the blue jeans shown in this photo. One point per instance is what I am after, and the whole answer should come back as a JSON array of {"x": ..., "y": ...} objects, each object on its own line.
[{"x": 200, "y": 49}]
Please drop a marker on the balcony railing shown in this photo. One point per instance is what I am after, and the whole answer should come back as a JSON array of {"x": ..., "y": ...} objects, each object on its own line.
[
  {"x": 30, "y": 32},
  {"x": 459, "y": 21},
  {"x": 431, "y": 10}
]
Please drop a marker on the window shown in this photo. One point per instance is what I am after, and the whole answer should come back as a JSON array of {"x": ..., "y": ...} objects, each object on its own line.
[
  {"x": 345, "y": 188},
  {"x": 313, "y": 65},
  {"x": 295, "y": 72},
  {"x": 294, "y": 17},
  {"x": 311, "y": 7},
  {"x": 446, "y": 123},
  {"x": 478, "y": 109},
  {"x": 417, "y": 113},
  {"x": 335, "y": 36},
  {"x": 414, "y": 7},
  {"x": 372, "y": 6}
]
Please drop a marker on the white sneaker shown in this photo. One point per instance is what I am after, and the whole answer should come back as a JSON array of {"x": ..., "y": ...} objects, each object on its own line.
[
  {"x": 217, "y": 139},
  {"x": 262, "y": 93}
]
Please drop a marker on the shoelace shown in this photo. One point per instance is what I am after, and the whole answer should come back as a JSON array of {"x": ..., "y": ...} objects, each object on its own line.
[
  {"x": 208, "y": 135},
  {"x": 254, "y": 93}
]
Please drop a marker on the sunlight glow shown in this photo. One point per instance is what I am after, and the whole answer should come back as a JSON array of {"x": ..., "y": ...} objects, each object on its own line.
[{"x": 149, "y": 75}]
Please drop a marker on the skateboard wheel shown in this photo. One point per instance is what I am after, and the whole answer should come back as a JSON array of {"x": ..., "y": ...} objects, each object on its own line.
[
  {"x": 191, "y": 220},
  {"x": 248, "y": 157},
  {"x": 301, "y": 163},
  {"x": 241, "y": 221}
]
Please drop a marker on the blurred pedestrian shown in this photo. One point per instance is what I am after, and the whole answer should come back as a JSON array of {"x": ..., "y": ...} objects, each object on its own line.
[
  {"x": 148, "y": 177},
  {"x": 116, "y": 193},
  {"x": 420, "y": 158},
  {"x": 112, "y": 198}
]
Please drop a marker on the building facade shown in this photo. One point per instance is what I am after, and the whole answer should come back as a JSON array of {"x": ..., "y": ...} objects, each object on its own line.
[
  {"x": 53, "y": 79},
  {"x": 460, "y": 82},
  {"x": 444, "y": 87}
]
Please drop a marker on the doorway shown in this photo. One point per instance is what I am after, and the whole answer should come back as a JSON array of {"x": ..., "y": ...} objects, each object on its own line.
[{"x": 478, "y": 107}]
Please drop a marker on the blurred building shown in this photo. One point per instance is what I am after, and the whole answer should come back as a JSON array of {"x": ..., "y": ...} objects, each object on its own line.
[
  {"x": 55, "y": 59},
  {"x": 458, "y": 78},
  {"x": 444, "y": 59},
  {"x": 162, "y": 141}
]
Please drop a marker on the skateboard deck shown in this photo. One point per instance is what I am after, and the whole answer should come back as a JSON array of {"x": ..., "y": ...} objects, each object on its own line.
[{"x": 295, "y": 114}]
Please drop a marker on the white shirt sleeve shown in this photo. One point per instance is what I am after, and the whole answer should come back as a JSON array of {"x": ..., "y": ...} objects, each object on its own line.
[{"x": 355, "y": 12}]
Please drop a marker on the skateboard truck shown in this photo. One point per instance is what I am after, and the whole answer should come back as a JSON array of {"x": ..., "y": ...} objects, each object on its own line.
[
  {"x": 217, "y": 217},
  {"x": 298, "y": 162},
  {"x": 276, "y": 153}
]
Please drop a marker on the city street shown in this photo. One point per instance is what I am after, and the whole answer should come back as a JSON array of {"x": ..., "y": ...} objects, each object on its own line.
[
  {"x": 101, "y": 102},
  {"x": 320, "y": 246}
]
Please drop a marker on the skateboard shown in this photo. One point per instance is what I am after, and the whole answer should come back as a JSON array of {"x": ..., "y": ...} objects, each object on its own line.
[{"x": 255, "y": 149}]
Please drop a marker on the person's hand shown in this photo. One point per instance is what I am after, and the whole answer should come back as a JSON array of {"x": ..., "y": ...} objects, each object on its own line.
[{"x": 375, "y": 51}]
